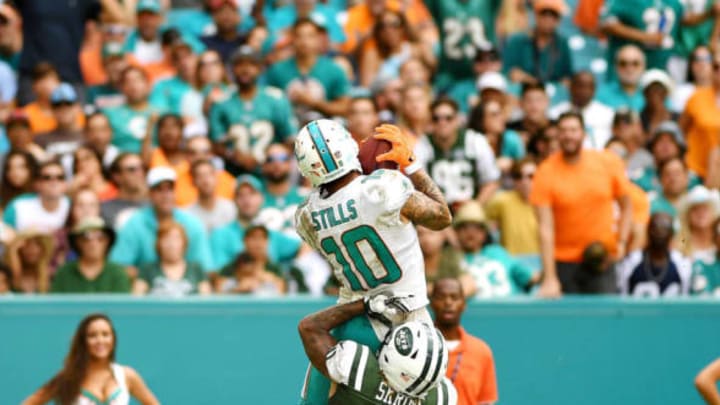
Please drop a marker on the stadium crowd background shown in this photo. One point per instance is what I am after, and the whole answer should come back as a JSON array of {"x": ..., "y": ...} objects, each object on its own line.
[{"x": 147, "y": 145}]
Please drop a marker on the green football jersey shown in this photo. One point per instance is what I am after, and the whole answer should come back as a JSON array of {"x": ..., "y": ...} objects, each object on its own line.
[
  {"x": 651, "y": 16},
  {"x": 705, "y": 278},
  {"x": 464, "y": 26},
  {"x": 129, "y": 126},
  {"x": 255, "y": 124},
  {"x": 692, "y": 36},
  {"x": 496, "y": 273},
  {"x": 356, "y": 370}
]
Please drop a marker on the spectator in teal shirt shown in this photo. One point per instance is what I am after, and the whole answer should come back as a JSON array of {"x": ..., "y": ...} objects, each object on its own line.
[
  {"x": 283, "y": 18},
  {"x": 316, "y": 86},
  {"x": 624, "y": 90},
  {"x": 130, "y": 120},
  {"x": 109, "y": 94},
  {"x": 673, "y": 175},
  {"x": 281, "y": 195},
  {"x": 244, "y": 124},
  {"x": 135, "y": 245},
  {"x": 543, "y": 55},
  {"x": 227, "y": 241}
]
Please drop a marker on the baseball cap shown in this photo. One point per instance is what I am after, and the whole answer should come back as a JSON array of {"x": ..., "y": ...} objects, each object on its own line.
[
  {"x": 250, "y": 180},
  {"x": 668, "y": 127},
  {"x": 492, "y": 80},
  {"x": 160, "y": 174},
  {"x": 64, "y": 93},
  {"x": 111, "y": 49},
  {"x": 470, "y": 213},
  {"x": 656, "y": 76},
  {"x": 245, "y": 52},
  {"x": 486, "y": 50},
  {"x": 557, "y": 6},
  {"x": 152, "y": 6}
]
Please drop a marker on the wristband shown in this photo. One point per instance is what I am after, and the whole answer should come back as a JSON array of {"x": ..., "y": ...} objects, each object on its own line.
[{"x": 413, "y": 167}]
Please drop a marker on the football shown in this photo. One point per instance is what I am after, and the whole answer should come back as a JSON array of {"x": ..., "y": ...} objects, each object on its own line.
[{"x": 371, "y": 148}]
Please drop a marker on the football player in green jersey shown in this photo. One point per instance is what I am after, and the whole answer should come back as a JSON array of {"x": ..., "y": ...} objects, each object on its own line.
[
  {"x": 465, "y": 26},
  {"x": 409, "y": 367}
]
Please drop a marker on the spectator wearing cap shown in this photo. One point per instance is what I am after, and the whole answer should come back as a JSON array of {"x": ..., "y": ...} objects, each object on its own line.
[
  {"x": 45, "y": 79},
  {"x": 657, "y": 270},
  {"x": 281, "y": 195},
  {"x": 656, "y": 86},
  {"x": 666, "y": 143},
  {"x": 465, "y": 92},
  {"x": 471, "y": 366},
  {"x": 513, "y": 214},
  {"x": 577, "y": 215},
  {"x": 143, "y": 44},
  {"x": 542, "y": 55},
  {"x": 700, "y": 122},
  {"x": 91, "y": 272},
  {"x": 178, "y": 94},
  {"x": 316, "y": 86},
  {"x": 495, "y": 272},
  {"x": 108, "y": 94},
  {"x": 137, "y": 238},
  {"x": 596, "y": 115},
  {"x": 674, "y": 180},
  {"x": 492, "y": 86},
  {"x": 53, "y": 32},
  {"x": 697, "y": 215},
  {"x": 247, "y": 121},
  {"x": 627, "y": 23},
  {"x": 212, "y": 210},
  {"x": 128, "y": 175},
  {"x": 173, "y": 274},
  {"x": 626, "y": 128},
  {"x": 534, "y": 104},
  {"x": 67, "y": 135},
  {"x": 98, "y": 136},
  {"x": 363, "y": 117},
  {"x": 227, "y": 18},
  {"x": 20, "y": 136},
  {"x": 130, "y": 121},
  {"x": 460, "y": 160},
  {"x": 391, "y": 45},
  {"x": 324, "y": 14},
  {"x": 699, "y": 74},
  {"x": 624, "y": 90}
]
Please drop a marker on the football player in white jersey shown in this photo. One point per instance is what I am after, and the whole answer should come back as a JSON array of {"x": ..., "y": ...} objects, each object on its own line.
[{"x": 363, "y": 225}]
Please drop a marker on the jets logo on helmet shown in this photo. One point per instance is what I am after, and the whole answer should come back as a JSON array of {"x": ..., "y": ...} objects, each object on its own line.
[
  {"x": 413, "y": 358},
  {"x": 325, "y": 151}
]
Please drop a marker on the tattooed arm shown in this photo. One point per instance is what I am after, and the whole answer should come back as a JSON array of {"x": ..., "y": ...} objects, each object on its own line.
[
  {"x": 315, "y": 331},
  {"x": 426, "y": 206}
]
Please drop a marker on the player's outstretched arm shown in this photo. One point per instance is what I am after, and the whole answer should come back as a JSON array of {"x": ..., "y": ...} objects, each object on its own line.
[
  {"x": 426, "y": 206},
  {"x": 315, "y": 331}
]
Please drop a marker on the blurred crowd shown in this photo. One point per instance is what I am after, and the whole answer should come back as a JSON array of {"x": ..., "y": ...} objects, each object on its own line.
[{"x": 146, "y": 146}]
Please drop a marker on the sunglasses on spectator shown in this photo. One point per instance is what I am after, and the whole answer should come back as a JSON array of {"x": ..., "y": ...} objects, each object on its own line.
[
  {"x": 440, "y": 117},
  {"x": 702, "y": 58},
  {"x": 51, "y": 177},
  {"x": 62, "y": 104},
  {"x": 280, "y": 157},
  {"x": 625, "y": 63}
]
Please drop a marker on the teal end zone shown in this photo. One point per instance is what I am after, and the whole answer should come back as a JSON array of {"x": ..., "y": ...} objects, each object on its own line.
[
  {"x": 322, "y": 148},
  {"x": 247, "y": 351}
]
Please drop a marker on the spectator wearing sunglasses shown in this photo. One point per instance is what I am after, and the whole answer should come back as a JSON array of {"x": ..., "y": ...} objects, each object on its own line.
[
  {"x": 210, "y": 208},
  {"x": 67, "y": 136},
  {"x": 92, "y": 239},
  {"x": 460, "y": 160},
  {"x": 624, "y": 89},
  {"x": 701, "y": 124},
  {"x": 653, "y": 25},
  {"x": 46, "y": 210},
  {"x": 282, "y": 195}
]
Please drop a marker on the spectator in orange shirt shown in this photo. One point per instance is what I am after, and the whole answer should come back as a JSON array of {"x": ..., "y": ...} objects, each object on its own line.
[
  {"x": 471, "y": 367},
  {"x": 577, "y": 213},
  {"x": 45, "y": 79}
]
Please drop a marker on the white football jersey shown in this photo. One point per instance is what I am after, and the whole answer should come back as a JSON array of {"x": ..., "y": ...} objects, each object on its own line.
[{"x": 360, "y": 232}]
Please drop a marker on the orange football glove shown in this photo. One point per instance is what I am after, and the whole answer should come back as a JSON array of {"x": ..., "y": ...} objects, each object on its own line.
[{"x": 401, "y": 153}]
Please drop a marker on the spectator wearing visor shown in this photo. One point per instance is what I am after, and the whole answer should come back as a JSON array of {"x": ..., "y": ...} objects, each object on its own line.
[
  {"x": 243, "y": 125},
  {"x": 657, "y": 87}
]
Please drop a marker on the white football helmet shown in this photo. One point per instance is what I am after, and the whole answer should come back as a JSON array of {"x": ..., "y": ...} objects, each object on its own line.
[
  {"x": 325, "y": 151},
  {"x": 413, "y": 358}
]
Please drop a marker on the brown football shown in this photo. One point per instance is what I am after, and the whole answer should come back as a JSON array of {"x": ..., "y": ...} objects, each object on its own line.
[{"x": 369, "y": 149}]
